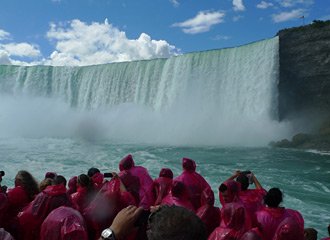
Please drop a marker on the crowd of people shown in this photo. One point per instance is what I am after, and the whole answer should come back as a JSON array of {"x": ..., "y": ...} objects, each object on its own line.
[{"x": 131, "y": 205}]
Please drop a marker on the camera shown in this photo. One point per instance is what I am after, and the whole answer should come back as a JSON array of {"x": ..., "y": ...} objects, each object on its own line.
[{"x": 108, "y": 175}]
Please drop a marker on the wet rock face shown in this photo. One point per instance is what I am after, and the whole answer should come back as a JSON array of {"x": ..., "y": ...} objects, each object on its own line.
[{"x": 304, "y": 85}]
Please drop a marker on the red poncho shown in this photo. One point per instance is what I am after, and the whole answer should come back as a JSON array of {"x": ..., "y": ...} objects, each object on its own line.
[
  {"x": 146, "y": 196},
  {"x": 270, "y": 218},
  {"x": 163, "y": 184},
  {"x": 208, "y": 213},
  {"x": 193, "y": 181},
  {"x": 289, "y": 229},
  {"x": 36, "y": 212},
  {"x": 178, "y": 197},
  {"x": 64, "y": 223},
  {"x": 233, "y": 217}
]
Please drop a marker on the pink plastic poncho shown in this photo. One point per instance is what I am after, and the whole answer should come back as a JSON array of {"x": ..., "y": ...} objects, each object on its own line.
[
  {"x": 72, "y": 184},
  {"x": 36, "y": 212},
  {"x": 3, "y": 206},
  {"x": 146, "y": 196},
  {"x": 252, "y": 200},
  {"x": 193, "y": 181},
  {"x": 270, "y": 218},
  {"x": 64, "y": 223},
  {"x": 178, "y": 197},
  {"x": 233, "y": 190},
  {"x": 163, "y": 184},
  {"x": 208, "y": 213},
  {"x": 105, "y": 206},
  {"x": 233, "y": 216},
  {"x": 81, "y": 198},
  {"x": 289, "y": 229},
  {"x": 98, "y": 181}
]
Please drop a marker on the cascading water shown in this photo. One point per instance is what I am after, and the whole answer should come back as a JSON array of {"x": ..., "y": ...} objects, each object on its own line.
[{"x": 226, "y": 96}]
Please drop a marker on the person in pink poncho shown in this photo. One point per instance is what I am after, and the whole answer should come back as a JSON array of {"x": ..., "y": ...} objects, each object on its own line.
[
  {"x": 193, "y": 181},
  {"x": 146, "y": 197},
  {"x": 208, "y": 213},
  {"x": 252, "y": 199},
  {"x": 35, "y": 213},
  {"x": 64, "y": 223},
  {"x": 270, "y": 216},
  {"x": 289, "y": 229},
  {"x": 178, "y": 196},
  {"x": 229, "y": 193},
  {"x": 84, "y": 194},
  {"x": 163, "y": 184},
  {"x": 233, "y": 217}
]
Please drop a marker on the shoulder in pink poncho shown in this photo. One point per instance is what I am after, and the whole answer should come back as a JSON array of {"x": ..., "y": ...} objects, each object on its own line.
[
  {"x": 36, "y": 212},
  {"x": 233, "y": 217},
  {"x": 208, "y": 213},
  {"x": 163, "y": 184},
  {"x": 289, "y": 229},
  {"x": 270, "y": 218},
  {"x": 178, "y": 197},
  {"x": 64, "y": 223},
  {"x": 252, "y": 200},
  {"x": 193, "y": 181},
  {"x": 146, "y": 197}
]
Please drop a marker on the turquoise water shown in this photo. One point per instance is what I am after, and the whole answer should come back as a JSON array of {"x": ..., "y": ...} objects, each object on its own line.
[{"x": 302, "y": 175}]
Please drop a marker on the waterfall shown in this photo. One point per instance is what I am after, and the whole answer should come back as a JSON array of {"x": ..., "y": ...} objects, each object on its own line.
[{"x": 196, "y": 97}]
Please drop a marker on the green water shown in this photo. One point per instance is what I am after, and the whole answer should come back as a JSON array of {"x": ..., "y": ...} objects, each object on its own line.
[{"x": 303, "y": 176}]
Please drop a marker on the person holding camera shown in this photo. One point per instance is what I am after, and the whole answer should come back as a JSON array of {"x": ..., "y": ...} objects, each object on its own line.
[{"x": 252, "y": 199}]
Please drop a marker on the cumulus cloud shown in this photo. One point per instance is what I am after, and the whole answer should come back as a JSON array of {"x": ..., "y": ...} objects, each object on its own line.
[
  {"x": 237, "y": 18},
  {"x": 21, "y": 49},
  {"x": 202, "y": 22},
  {"x": 175, "y": 3},
  {"x": 4, "y": 58},
  {"x": 264, "y": 5},
  {"x": 292, "y": 3},
  {"x": 238, "y": 5},
  {"x": 79, "y": 43},
  {"x": 4, "y": 35},
  {"x": 286, "y": 16}
]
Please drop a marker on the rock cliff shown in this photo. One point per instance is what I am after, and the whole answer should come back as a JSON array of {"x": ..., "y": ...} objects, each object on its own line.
[{"x": 304, "y": 84}]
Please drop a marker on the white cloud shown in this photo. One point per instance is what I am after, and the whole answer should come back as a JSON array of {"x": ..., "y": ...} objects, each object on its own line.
[
  {"x": 286, "y": 16},
  {"x": 238, "y": 5},
  {"x": 292, "y": 3},
  {"x": 175, "y": 3},
  {"x": 4, "y": 58},
  {"x": 21, "y": 49},
  {"x": 264, "y": 5},
  {"x": 79, "y": 43},
  {"x": 237, "y": 18},
  {"x": 4, "y": 35},
  {"x": 202, "y": 22}
]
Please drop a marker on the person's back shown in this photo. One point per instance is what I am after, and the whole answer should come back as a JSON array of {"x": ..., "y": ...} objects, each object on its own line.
[
  {"x": 64, "y": 223},
  {"x": 233, "y": 223},
  {"x": 193, "y": 181},
  {"x": 289, "y": 229},
  {"x": 31, "y": 218},
  {"x": 146, "y": 183},
  {"x": 208, "y": 213},
  {"x": 163, "y": 184}
]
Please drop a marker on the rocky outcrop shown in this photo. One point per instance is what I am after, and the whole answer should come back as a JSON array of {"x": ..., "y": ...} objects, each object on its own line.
[{"x": 304, "y": 84}]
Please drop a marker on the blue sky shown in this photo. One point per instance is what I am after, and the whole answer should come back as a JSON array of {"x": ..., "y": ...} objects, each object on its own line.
[{"x": 85, "y": 32}]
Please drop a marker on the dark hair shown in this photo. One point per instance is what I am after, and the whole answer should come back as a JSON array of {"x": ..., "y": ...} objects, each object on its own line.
[
  {"x": 223, "y": 188},
  {"x": 92, "y": 171},
  {"x": 59, "y": 179},
  {"x": 329, "y": 229},
  {"x": 244, "y": 181},
  {"x": 45, "y": 183},
  {"x": 175, "y": 223},
  {"x": 27, "y": 181},
  {"x": 310, "y": 234},
  {"x": 273, "y": 197},
  {"x": 83, "y": 180}
]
